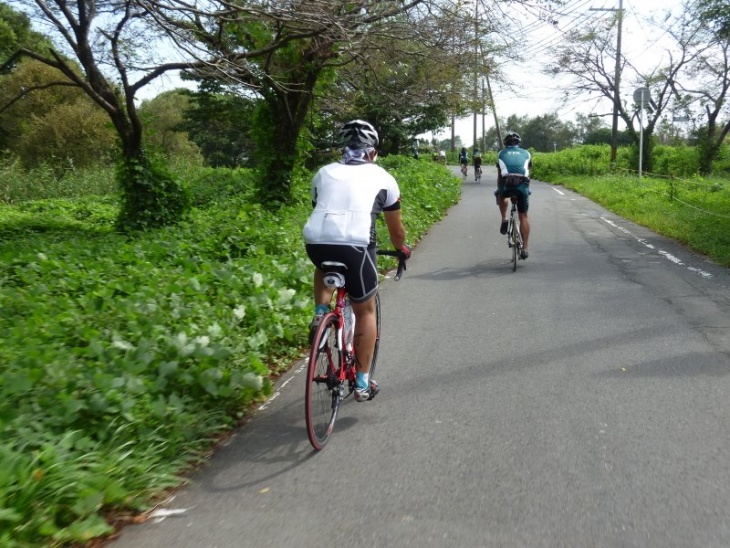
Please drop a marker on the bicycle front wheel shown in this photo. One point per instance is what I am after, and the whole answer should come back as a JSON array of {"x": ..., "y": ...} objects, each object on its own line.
[{"x": 323, "y": 392}]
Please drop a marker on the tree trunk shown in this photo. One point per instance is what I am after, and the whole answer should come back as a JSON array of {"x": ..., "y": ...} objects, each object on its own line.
[
  {"x": 151, "y": 197},
  {"x": 707, "y": 148},
  {"x": 278, "y": 132}
]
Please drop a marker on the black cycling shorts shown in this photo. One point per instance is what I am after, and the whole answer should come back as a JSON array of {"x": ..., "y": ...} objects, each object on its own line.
[
  {"x": 361, "y": 277},
  {"x": 522, "y": 193}
]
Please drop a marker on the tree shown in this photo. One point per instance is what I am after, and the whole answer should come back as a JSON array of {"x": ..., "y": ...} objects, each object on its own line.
[
  {"x": 589, "y": 56},
  {"x": 404, "y": 87},
  {"x": 72, "y": 135},
  {"x": 114, "y": 36},
  {"x": 284, "y": 54},
  {"x": 57, "y": 125},
  {"x": 16, "y": 33},
  {"x": 548, "y": 133},
  {"x": 588, "y": 125},
  {"x": 706, "y": 81},
  {"x": 287, "y": 54},
  {"x": 716, "y": 13},
  {"x": 219, "y": 122},
  {"x": 164, "y": 124}
]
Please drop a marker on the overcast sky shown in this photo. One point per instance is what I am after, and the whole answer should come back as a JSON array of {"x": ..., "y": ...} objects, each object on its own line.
[{"x": 535, "y": 94}]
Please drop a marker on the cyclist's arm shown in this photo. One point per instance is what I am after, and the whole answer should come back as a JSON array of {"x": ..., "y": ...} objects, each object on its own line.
[{"x": 396, "y": 230}]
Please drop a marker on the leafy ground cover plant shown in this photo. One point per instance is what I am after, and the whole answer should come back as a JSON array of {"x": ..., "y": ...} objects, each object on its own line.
[{"x": 122, "y": 358}]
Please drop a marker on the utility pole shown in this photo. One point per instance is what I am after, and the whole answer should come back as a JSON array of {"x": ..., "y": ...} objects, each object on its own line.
[
  {"x": 476, "y": 67},
  {"x": 494, "y": 111},
  {"x": 483, "y": 148},
  {"x": 616, "y": 80}
]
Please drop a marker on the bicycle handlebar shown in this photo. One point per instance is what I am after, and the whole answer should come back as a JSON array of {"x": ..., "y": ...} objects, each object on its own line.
[{"x": 401, "y": 260}]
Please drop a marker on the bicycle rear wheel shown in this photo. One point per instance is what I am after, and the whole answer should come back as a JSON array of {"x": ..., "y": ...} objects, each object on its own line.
[
  {"x": 514, "y": 238},
  {"x": 323, "y": 393}
]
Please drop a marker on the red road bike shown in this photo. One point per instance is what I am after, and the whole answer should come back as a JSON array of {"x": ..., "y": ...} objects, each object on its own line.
[{"x": 331, "y": 369}]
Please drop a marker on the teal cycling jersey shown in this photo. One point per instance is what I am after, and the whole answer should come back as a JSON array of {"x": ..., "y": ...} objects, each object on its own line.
[{"x": 514, "y": 160}]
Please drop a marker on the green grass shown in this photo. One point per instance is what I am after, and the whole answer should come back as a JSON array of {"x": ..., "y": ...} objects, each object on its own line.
[
  {"x": 122, "y": 359},
  {"x": 693, "y": 212},
  {"x": 672, "y": 200}
]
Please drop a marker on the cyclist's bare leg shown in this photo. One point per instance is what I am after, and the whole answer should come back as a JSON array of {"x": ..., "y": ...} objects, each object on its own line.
[
  {"x": 524, "y": 229},
  {"x": 366, "y": 331},
  {"x": 503, "y": 205},
  {"x": 322, "y": 293}
]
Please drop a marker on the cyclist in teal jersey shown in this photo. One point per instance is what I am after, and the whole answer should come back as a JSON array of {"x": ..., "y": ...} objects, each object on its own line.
[
  {"x": 464, "y": 157},
  {"x": 513, "y": 179}
]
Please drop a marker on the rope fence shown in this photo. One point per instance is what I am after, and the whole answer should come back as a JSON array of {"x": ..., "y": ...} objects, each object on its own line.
[{"x": 673, "y": 189}]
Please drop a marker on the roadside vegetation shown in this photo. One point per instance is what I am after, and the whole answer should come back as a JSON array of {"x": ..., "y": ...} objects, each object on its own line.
[
  {"x": 123, "y": 358},
  {"x": 673, "y": 201}
]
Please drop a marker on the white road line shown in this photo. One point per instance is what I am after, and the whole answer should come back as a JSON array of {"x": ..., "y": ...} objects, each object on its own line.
[
  {"x": 558, "y": 191},
  {"x": 277, "y": 392},
  {"x": 665, "y": 254}
]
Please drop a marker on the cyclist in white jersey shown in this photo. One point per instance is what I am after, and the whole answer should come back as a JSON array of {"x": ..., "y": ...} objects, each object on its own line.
[{"x": 347, "y": 197}]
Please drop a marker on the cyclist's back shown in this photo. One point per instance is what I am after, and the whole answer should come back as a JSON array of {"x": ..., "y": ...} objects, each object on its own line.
[
  {"x": 347, "y": 201},
  {"x": 513, "y": 160},
  {"x": 463, "y": 156},
  {"x": 513, "y": 178}
]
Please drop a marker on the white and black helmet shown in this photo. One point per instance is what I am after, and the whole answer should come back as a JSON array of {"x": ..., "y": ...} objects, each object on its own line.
[
  {"x": 358, "y": 134},
  {"x": 512, "y": 139}
]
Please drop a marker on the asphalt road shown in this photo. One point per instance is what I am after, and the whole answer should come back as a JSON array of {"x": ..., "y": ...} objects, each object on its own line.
[{"x": 582, "y": 401}]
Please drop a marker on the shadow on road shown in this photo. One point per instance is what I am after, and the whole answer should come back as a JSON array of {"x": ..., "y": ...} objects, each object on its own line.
[{"x": 277, "y": 445}]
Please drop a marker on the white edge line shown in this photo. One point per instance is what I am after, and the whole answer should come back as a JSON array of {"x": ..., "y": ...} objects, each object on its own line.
[
  {"x": 277, "y": 392},
  {"x": 665, "y": 254},
  {"x": 558, "y": 191}
]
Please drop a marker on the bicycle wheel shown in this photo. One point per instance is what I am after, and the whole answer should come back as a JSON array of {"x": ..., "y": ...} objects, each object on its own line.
[
  {"x": 514, "y": 237},
  {"x": 322, "y": 396},
  {"x": 377, "y": 336}
]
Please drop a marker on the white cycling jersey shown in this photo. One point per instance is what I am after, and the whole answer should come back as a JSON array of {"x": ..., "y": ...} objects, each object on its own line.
[{"x": 347, "y": 199}]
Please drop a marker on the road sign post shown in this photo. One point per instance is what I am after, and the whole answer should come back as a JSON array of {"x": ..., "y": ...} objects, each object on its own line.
[{"x": 641, "y": 96}]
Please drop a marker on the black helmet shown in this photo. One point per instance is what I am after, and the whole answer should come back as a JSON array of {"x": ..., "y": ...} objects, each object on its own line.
[
  {"x": 512, "y": 139},
  {"x": 358, "y": 134}
]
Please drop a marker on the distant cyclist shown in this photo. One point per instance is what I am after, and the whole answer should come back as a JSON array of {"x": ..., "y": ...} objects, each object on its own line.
[
  {"x": 463, "y": 159},
  {"x": 348, "y": 196},
  {"x": 513, "y": 179},
  {"x": 477, "y": 164}
]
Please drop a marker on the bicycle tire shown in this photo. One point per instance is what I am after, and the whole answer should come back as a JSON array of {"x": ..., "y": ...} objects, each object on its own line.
[
  {"x": 322, "y": 395},
  {"x": 515, "y": 244},
  {"x": 377, "y": 335}
]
